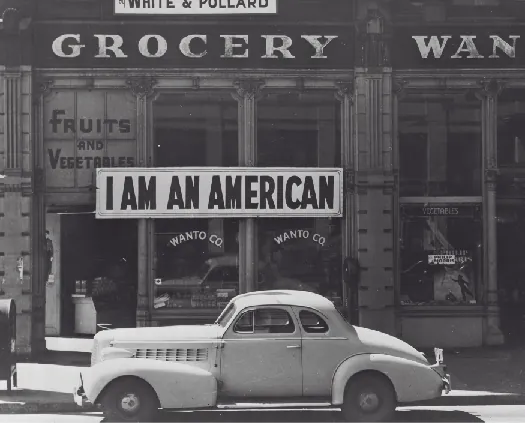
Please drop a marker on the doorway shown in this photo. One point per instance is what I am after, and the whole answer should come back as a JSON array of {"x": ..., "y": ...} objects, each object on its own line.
[{"x": 81, "y": 249}]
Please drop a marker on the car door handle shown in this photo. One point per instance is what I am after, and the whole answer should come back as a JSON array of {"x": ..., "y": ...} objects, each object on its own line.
[{"x": 291, "y": 347}]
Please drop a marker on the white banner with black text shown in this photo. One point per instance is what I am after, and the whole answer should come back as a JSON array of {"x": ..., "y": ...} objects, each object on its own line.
[{"x": 215, "y": 193}]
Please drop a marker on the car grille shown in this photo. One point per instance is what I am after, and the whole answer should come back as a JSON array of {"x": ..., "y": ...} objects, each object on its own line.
[{"x": 179, "y": 354}]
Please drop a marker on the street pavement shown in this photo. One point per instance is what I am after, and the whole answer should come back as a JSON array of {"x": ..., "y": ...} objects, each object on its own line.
[{"x": 492, "y": 413}]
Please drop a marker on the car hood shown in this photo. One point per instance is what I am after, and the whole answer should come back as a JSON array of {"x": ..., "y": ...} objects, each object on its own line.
[
  {"x": 375, "y": 342},
  {"x": 166, "y": 333}
]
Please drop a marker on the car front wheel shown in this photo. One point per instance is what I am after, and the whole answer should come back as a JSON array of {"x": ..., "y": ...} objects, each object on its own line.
[
  {"x": 129, "y": 400},
  {"x": 369, "y": 397}
]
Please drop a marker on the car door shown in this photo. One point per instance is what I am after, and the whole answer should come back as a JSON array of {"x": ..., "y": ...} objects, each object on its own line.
[
  {"x": 323, "y": 349},
  {"x": 261, "y": 356}
]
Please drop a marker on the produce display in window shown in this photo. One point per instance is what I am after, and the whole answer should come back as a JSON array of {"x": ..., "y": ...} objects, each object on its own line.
[
  {"x": 441, "y": 255},
  {"x": 211, "y": 287}
]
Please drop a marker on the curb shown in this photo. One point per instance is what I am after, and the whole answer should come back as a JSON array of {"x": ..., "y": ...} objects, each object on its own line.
[
  {"x": 460, "y": 400},
  {"x": 38, "y": 408}
]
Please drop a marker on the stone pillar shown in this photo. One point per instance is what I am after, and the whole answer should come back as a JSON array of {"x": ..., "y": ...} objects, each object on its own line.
[
  {"x": 326, "y": 144},
  {"x": 246, "y": 93},
  {"x": 17, "y": 280},
  {"x": 345, "y": 94},
  {"x": 488, "y": 95},
  {"x": 214, "y": 159},
  {"x": 143, "y": 89},
  {"x": 374, "y": 169}
]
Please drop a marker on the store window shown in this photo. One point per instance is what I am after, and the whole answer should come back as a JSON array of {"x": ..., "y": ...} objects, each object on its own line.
[
  {"x": 511, "y": 131},
  {"x": 196, "y": 260},
  {"x": 441, "y": 254},
  {"x": 299, "y": 130},
  {"x": 440, "y": 145}
]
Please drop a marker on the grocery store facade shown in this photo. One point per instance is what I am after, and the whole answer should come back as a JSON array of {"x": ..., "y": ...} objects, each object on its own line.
[{"x": 417, "y": 124}]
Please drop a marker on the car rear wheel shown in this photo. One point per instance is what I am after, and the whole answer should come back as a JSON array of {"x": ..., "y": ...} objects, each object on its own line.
[
  {"x": 129, "y": 400},
  {"x": 369, "y": 397}
]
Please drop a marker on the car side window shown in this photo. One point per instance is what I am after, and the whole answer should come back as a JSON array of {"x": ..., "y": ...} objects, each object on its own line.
[
  {"x": 312, "y": 322},
  {"x": 265, "y": 320}
]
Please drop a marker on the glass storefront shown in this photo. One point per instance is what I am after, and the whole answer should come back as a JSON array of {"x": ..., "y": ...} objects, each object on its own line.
[
  {"x": 299, "y": 130},
  {"x": 441, "y": 254},
  {"x": 440, "y": 145},
  {"x": 511, "y": 132},
  {"x": 195, "y": 260},
  {"x": 441, "y": 226}
]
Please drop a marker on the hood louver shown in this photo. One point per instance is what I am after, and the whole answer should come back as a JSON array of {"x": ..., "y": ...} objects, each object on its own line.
[{"x": 179, "y": 354}]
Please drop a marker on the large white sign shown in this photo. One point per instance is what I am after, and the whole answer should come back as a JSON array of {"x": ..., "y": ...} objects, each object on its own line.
[
  {"x": 194, "y": 7},
  {"x": 225, "y": 192}
]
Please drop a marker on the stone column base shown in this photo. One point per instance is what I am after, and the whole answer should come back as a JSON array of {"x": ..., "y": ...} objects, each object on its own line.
[{"x": 493, "y": 334}]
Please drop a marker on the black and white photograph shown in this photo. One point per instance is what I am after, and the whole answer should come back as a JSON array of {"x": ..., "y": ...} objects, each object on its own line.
[{"x": 262, "y": 211}]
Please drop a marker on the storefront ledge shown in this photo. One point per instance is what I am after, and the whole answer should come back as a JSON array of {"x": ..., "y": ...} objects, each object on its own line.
[{"x": 473, "y": 310}]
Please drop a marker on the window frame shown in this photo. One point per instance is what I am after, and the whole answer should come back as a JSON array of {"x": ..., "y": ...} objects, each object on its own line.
[
  {"x": 319, "y": 316},
  {"x": 423, "y": 90},
  {"x": 253, "y": 310}
]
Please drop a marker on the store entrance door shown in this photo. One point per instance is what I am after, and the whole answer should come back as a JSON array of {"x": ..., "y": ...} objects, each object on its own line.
[{"x": 93, "y": 274}]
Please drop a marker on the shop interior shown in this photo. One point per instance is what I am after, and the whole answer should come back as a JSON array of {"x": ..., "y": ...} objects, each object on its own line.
[{"x": 92, "y": 274}]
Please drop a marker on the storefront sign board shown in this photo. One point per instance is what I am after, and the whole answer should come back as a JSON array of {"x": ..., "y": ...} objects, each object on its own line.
[
  {"x": 216, "y": 193},
  {"x": 239, "y": 46},
  {"x": 194, "y": 7},
  {"x": 435, "y": 47},
  {"x": 85, "y": 130}
]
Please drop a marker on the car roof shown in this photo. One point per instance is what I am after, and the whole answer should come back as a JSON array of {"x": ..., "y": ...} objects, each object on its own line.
[{"x": 285, "y": 297}]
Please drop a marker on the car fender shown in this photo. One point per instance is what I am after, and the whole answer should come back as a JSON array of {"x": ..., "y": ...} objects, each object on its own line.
[
  {"x": 177, "y": 385},
  {"x": 412, "y": 381}
]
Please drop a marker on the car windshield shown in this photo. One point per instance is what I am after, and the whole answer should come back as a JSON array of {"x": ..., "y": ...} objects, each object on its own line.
[{"x": 226, "y": 315}]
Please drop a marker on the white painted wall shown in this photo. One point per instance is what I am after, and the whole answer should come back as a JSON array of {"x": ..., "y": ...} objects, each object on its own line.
[{"x": 53, "y": 284}]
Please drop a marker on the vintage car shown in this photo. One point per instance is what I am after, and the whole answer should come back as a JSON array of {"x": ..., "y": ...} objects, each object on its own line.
[{"x": 275, "y": 348}]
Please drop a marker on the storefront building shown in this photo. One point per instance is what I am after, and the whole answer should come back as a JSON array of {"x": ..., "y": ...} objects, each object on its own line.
[{"x": 420, "y": 120}]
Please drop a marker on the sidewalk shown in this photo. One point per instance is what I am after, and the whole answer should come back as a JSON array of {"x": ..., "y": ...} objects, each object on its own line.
[
  {"x": 44, "y": 387},
  {"x": 489, "y": 376}
]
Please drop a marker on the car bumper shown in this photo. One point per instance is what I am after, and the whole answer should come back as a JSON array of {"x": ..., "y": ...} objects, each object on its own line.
[
  {"x": 79, "y": 395},
  {"x": 441, "y": 370}
]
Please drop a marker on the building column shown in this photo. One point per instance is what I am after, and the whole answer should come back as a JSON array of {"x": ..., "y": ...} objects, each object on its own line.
[
  {"x": 345, "y": 94},
  {"x": 16, "y": 235},
  {"x": 374, "y": 169},
  {"x": 246, "y": 93},
  {"x": 488, "y": 95},
  {"x": 214, "y": 159},
  {"x": 143, "y": 89}
]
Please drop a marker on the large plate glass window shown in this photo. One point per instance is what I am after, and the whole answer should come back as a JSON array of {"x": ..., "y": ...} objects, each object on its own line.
[
  {"x": 441, "y": 226},
  {"x": 441, "y": 254},
  {"x": 195, "y": 260},
  {"x": 440, "y": 144},
  {"x": 299, "y": 130},
  {"x": 511, "y": 209}
]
